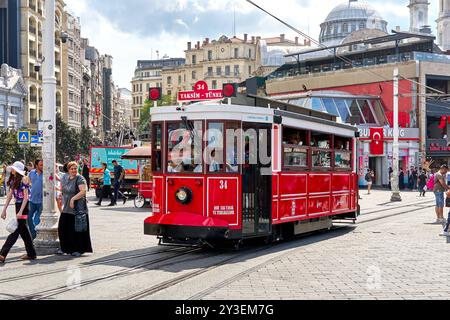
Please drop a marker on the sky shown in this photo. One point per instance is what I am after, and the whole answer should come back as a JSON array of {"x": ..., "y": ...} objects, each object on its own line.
[{"x": 134, "y": 30}]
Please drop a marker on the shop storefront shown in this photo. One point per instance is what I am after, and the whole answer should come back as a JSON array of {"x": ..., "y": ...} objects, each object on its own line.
[
  {"x": 383, "y": 160},
  {"x": 438, "y": 133}
]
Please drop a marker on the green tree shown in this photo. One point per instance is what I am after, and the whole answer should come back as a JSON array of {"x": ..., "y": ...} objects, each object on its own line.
[
  {"x": 11, "y": 151},
  {"x": 145, "y": 119},
  {"x": 86, "y": 140},
  {"x": 67, "y": 141}
]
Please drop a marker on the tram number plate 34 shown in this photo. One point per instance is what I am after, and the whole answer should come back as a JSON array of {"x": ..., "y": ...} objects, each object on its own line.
[{"x": 223, "y": 210}]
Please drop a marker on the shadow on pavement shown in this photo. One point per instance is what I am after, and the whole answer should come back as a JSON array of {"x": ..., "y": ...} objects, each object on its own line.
[{"x": 153, "y": 258}]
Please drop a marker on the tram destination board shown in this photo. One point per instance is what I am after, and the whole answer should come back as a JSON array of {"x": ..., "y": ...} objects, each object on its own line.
[{"x": 201, "y": 92}]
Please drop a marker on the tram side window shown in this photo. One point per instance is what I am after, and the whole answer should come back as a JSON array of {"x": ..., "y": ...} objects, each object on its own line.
[
  {"x": 214, "y": 152},
  {"x": 321, "y": 150},
  {"x": 234, "y": 151},
  {"x": 295, "y": 148},
  {"x": 184, "y": 147},
  {"x": 342, "y": 153},
  {"x": 157, "y": 148}
]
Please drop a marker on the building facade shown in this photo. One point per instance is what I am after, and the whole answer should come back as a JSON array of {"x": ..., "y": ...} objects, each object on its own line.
[
  {"x": 31, "y": 21},
  {"x": 94, "y": 112},
  {"x": 443, "y": 25},
  {"x": 148, "y": 74},
  {"x": 72, "y": 74},
  {"x": 347, "y": 18},
  {"x": 108, "y": 95},
  {"x": 359, "y": 90},
  {"x": 418, "y": 10},
  {"x": 12, "y": 97},
  {"x": 10, "y": 33}
]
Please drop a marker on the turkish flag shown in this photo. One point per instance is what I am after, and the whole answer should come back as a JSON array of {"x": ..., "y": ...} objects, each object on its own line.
[{"x": 377, "y": 144}]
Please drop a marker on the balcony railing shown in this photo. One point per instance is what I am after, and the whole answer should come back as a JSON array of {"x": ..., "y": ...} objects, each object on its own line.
[{"x": 222, "y": 75}]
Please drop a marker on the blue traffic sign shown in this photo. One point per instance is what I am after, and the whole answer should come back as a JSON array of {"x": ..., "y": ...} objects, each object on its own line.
[
  {"x": 40, "y": 133},
  {"x": 34, "y": 139},
  {"x": 23, "y": 137}
]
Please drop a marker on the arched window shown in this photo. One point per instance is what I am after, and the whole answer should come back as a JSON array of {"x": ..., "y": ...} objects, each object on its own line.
[{"x": 345, "y": 28}]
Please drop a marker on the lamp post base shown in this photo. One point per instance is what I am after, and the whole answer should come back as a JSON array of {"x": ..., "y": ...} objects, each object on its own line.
[
  {"x": 396, "y": 197},
  {"x": 47, "y": 241}
]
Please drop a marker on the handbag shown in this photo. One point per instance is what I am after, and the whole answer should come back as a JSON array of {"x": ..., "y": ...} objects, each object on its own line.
[
  {"x": 81, "y": 213},
  {"x": 12, "y": 225}
]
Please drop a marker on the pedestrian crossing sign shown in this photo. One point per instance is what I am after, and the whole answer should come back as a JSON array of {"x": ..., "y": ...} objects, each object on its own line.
[{"x": 23, "y": 137}]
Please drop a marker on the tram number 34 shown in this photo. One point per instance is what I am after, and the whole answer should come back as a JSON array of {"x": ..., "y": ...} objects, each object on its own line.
[{"x": 223, "y": 185}]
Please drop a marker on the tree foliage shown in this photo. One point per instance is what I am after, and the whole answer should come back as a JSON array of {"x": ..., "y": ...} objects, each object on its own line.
[
  {"x": 144, "y": 121},
  {"x": 70, "y": 144},
  {"x": 11, "y": 151}
]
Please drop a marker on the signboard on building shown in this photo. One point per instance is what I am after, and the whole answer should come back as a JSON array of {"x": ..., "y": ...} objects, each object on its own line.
[
  {"x": 201, "y": 92},
  {"x": 388, "y": 133}
]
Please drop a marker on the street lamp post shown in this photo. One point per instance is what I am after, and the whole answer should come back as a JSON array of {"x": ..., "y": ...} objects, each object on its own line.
[
  {"x": 47, "y": 240},
  {"x": 396, "y": 153}
]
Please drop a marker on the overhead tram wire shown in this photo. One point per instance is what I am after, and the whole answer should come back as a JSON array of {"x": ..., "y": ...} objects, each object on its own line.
[{"x": 344, "y": 59}]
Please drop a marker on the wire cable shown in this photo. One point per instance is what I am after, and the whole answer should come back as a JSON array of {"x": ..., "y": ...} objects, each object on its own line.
[{"x": 344, "y": 59}]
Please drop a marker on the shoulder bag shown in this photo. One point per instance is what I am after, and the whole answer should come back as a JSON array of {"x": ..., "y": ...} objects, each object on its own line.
[{"x": 81, "y": 212}]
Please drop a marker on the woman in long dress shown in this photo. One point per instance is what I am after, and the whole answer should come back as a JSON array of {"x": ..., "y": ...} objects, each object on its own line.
[{"x": 73, "y": 187}]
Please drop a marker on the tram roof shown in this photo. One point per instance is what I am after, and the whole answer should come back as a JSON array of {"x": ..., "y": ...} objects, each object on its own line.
[{"x": 251, "y": 105}]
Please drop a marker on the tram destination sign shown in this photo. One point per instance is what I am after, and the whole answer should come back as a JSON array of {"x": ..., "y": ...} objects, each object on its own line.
[{"x": 201, "y": 92}]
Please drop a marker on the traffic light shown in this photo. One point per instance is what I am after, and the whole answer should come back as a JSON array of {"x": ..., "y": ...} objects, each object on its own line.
[
  {"x": 155, "y": 94},
  {"x": 230, "y": 90}
]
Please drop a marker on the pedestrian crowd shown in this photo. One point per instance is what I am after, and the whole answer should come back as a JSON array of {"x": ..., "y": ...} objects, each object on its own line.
[{"x": 25, "y": 185}]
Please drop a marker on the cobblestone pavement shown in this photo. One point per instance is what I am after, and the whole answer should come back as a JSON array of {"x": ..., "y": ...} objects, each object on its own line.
[
  {"x": 400, "y": 257},
  {"x": 393, "y": 252}
]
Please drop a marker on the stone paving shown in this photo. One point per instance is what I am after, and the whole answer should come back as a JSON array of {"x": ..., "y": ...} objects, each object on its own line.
[
  {"x": 394, "y": 252},
  {"x": 400, "y": 257}
]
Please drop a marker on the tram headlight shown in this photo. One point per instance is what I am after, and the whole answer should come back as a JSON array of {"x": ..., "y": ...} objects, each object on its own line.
[{"x": 184, "y": 196}]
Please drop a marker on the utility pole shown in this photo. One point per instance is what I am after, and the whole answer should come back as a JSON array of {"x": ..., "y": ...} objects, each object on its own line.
[
  {"x": 47, "y": 240},
  {"x": 396, "y": 152}
]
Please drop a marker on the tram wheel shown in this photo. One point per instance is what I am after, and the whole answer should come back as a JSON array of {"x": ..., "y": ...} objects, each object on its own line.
[{"x": 139, "y": 201}]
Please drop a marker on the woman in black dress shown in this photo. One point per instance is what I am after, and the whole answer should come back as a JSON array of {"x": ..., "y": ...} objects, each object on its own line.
[{"x": 73, "y": 188}]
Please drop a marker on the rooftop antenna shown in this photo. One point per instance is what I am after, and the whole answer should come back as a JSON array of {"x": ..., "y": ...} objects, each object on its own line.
[{"x": 234, "y": 20}]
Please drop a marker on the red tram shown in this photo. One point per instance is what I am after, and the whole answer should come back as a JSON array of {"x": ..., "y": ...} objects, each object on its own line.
[{"x": 232, "y": 172}]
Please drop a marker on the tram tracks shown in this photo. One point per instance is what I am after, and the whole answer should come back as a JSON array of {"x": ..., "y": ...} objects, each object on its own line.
[
  {"x": 85, "y": 265},
  {"x": 48, "y": 293},
  {"x": 160, "y": 287},
  {"x": 146, "y": 293}
]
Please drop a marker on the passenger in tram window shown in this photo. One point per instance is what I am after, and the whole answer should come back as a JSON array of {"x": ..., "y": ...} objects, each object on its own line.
[
  {"x": 214, "y": 165},
  {"x": 175, "y": 168},
  {"x": 232, "y": 162}
]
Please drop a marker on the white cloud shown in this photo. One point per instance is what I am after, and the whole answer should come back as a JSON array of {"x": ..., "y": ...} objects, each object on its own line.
[{"x": 193, "y": 19}]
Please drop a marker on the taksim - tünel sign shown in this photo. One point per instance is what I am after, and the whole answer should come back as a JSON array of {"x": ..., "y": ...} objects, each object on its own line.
[{"x": 201, "y": 92}]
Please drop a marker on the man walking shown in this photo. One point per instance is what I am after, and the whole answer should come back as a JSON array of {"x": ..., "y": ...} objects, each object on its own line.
[
  {"x": 119, "y": 175},
  {"x": 440, "y": 187},
  {"x": 85, "y": 173},
  {"x": 106, "y": 190},
  {"x": 35, "y": 207}
]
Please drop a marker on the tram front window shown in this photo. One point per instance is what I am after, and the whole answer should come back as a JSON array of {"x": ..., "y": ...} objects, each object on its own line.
[{"x": 184, "y": 147}]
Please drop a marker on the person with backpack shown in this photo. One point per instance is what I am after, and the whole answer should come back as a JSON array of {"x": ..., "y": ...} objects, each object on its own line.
[{"x": 369, "y": 179}]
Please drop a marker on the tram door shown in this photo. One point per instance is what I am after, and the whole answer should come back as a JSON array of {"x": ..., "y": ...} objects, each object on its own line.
[{"x": 257, "y": 180}]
